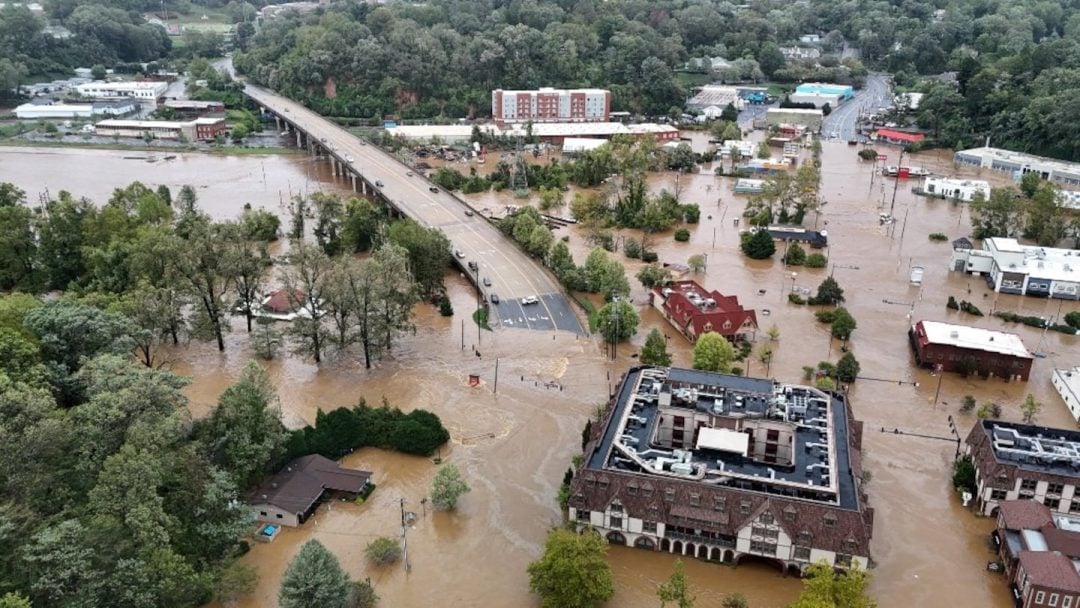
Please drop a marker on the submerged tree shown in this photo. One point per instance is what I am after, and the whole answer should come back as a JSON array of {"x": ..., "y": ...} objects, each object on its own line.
[
  {"x": 314, "y": 578},
  {"x": 573, "y": 571}
]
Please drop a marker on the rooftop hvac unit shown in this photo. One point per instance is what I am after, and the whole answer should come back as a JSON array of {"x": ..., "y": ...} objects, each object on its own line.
[{"x": 682, "y": 468}]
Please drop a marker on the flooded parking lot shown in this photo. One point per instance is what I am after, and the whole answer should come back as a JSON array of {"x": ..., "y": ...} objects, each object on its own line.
[{"x": 514, "y": 440}]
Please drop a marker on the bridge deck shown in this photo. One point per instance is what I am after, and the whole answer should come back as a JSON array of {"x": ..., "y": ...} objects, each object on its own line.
[{"x": 513, "y": 274}]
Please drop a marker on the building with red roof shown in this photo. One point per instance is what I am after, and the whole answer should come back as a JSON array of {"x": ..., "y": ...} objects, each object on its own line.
[
  {"x": 694, "y": 311},
  {"x": 902, "y": 138}
]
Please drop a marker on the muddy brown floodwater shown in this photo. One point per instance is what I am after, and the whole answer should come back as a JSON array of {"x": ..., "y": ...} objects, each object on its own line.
[{"x": 513, "y": 445}]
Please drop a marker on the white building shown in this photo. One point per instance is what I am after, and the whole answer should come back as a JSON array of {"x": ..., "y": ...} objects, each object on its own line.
[
  {"x": 56, "y": 110},
  {"x": 714, "y": 95},
  {"x": 746, "y": 148},
  {"x": 1010, "y": 267},
  {"x": 1017, "y": 164},
  {"x": 446, "y": 134},
  {"x": 551, "y": 105},
  {"x": 957, "y": 189},
  {"x": 146, "y": 89},
  {"x": 577, "y": 145},
  {"x": 910, "y": 101},
  {"x": 1067, "y": 383},
  {"x": 811, "y": 119},
  {"x": 820, "y": 100}
]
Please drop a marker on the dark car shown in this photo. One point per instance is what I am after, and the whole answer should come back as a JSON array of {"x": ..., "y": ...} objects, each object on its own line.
[
  {"x": 378, "y": 183},
  {"x": 473, "y": 265},
  {"x": 494, "y": 298},
  {"x": 433, "y": 189},
  {"x": 469, "y": 212},
  {"x": 487, "y": 282}
]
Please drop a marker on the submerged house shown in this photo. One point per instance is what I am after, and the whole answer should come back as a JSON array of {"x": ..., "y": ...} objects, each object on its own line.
[
  {"x": 694, "y": 311},
  {"x": 292, "y": 494}
]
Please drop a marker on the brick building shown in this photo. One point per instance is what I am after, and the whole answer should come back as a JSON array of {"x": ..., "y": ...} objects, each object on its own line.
[
  {"x": 1041, "y": 554},
  {"x": 551, "y": 105},
  {"x": 1022, "y": 461},
  {"x": 726, "y": 469},
  {"x": 693, "y": 311},
  {"x": 959, "y": 348}
]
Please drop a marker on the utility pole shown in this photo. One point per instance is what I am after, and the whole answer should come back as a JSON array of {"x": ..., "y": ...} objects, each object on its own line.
[{"x": 495, "y": 388}]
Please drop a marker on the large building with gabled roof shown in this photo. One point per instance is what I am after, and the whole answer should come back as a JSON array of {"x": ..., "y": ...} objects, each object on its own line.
[{"x": 726, "y": 468}]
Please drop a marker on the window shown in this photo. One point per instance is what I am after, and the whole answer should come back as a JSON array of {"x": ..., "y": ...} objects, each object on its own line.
[
  {"x": 772, "y": 435},
  {"x": 1053, "y": 600},
  {"x": 677, "y": 435},
  {"x": 1055, "y": 488},
  {"x": 849, "y": 546},
  {"x": 646, "y": 491},
  {"x": 679, "y": 422},
  {"x": 669, "y": 495},
  {"x": 695, "y": 500},
  {"x": 1028, "y": 485},
  {"x": 789, "y": 514},
  {"x": 278, "y": 516},
  {"x": 720, "y": 503},
  {"x": 616, "y": 507},
  {"x": 830, "y": 521},
  {"x": 1066, "y": 602},
  {"x": 763, "y": 548},
  {"x": 1039, "y": 597},
  {"x": 615, "y": 522},
  {"x": 802, "y": 554},
  {"x": 805, "y": 538},
  {"x": 1052, "y": 503},
  {"x": 262, "y": 513},
  {"x": 744, "y": 508},
  {"x": 649, "y": 527},
  {"x": 766, "y": 518},
  {"x": 631, "y": 490},
  {"x": 998, "y": 495},
  {"x": 584, "y": 515},
  {"x": 842, "y": 560}
]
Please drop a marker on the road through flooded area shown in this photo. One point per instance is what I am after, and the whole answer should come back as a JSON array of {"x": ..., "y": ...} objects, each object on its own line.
[{"x": 514, "y": 436}]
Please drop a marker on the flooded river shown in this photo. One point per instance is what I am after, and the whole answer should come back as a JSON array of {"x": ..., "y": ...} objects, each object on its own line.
[{"x": 513, "y": 441}]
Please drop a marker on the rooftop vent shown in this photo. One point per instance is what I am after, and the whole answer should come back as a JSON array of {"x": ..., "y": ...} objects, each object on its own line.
[{"x": 954, "y": 334}]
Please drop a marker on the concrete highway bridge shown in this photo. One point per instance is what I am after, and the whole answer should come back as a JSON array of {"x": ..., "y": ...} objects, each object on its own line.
[{"x": 502, "y": 268}]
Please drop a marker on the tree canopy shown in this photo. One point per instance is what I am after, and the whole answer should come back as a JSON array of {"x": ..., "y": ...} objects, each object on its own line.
[
  {"x": 573, "y": 571},
  {"x": 713, "y": 353}
]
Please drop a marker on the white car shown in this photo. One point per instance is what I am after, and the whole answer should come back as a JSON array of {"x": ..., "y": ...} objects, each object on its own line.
[{"x": 530, "y": 300}]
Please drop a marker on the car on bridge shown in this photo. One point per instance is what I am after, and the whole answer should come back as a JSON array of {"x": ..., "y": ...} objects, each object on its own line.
[
  {"x": 530, "y": 300},
  {"x": 459, "y": 253},
  {"x": 378, "y": 183},
  {"x": 434, "y": 189},
  {"x": 494, "y": 298},
  {"x": 487, "y": 282}
]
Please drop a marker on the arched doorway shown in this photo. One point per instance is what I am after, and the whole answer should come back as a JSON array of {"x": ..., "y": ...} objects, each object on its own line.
[
  {"x": 616, "y": 538},
  {"x": 728, "y": 556},
  {"x": 644, "y": 542},
  {"x": 665, "y": 545},
  {"x": 715, "y": 555},
  {"x": 794, "y": 570},
  {"x": 690, "y": 549},
  {"x": 676, "y": 547},
  {"x": 747, "y": 558},
  {"x": 702, "y": 552}
]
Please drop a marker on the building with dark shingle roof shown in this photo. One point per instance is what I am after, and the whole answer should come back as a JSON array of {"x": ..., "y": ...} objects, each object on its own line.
[
  {"x": 291, "y": 495},
  {"x": 694, "y": 311},
  {"x": 726, "y": 468},
  {"x": 1022, "y": 461}
]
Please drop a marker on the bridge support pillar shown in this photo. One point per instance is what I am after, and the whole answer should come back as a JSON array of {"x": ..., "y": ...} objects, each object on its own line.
[
  {"x": 299, "y": 140},
  {"x": 277, "y": 121},
  {"x": 333, "y": 166},
  {"x": 353, "y": 182},
  {"x": 363, "y": 187}
]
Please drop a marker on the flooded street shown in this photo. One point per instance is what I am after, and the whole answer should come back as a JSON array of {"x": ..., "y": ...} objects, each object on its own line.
[{"x": 513, "y": 445}]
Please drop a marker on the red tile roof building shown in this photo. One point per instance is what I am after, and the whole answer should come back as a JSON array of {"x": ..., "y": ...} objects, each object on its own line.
[
  {"x": 899, "y": 137},
  {"x": 694, "y": 311}
]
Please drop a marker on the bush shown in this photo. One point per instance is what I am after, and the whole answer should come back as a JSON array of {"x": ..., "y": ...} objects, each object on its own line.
[
  {"x": 446, "y": 309},
  {"x": 383, "y": 551},
  {"x": 952, "y": 304},
  {"x": 964, "y": 474},
  {"x": 847, "y": 368},
  {"x": 795, "y": 298},
  {"x": 1073, "y": 319},
  {"x": 682, "y": 235},
  {"x": 970, "y": 308},
  {"x": 825, "y": 316},
  {"x": 816, "y": 260},
  {"x": 795, "y": 256},
  {"x": 632, "y": 248},
  {"x": 691, "y": 213},
  {"x": 868, "y": 154},
  {"x": 968, "y": 404},
  {"x": 758, "y": 245},
  {"x": 340, "y": 431},
  {"x": 650, "y": 257},
  {"x": 938, "y": 237}
]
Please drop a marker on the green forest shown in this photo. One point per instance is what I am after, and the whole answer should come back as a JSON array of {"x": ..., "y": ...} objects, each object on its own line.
[{"x": 998, "y": 69}]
